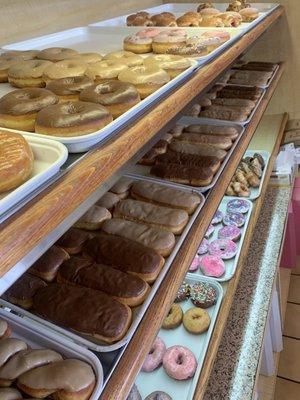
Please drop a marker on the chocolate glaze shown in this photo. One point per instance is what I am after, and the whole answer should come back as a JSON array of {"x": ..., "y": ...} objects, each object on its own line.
[
  {"x": 205, "y": 139},
  {"x": 50, "y": 261},
  {"x": 26, "y": 101},
  {"x": 102, "y": 277},
  {"x": 24, "y": 288},
  {"x": 73, "y": 238},
  {"x": 125, "y": 254},
  {"x": 212, "y": 129},
  {"x": 198, "y": 149},
  {"x": 82, "y": 309},
  {"x": 192, "y": 160},
  {"x": 67, "y": 86},
  {"x": 176, "y": 171}
]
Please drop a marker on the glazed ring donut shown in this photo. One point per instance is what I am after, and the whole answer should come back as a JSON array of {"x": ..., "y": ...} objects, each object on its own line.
[
  {"x": 127, "y": 57},
  {"x": 65, "y": 69},
  {"x": 172, "y": 64},
  {"x": 18, "y": 109},
  {"x": 196, "y": 320},
  {"x": 117, "y": 97},
  {"x": 223, "y": 248},
  {"x": 16, "y": 165},
  {"x": 155, "y": 356},
  {"x": 167, "y": 40},
  {"x": 146, "y": 79},
  {"x": 179, "y": 363},
  {"x": 55, "y": 54},
  {"x": 72, "y": 119},
  {"x": 174, "y": 317},
  {"x": 88, "y": 58},
  {"x": 189, "y": 19},
  {"x": 28, "y": 73},
  {"x": 6, "y": 62},
  {"x": 69, "y": 89},
  {"x": 105, "y": 70}
]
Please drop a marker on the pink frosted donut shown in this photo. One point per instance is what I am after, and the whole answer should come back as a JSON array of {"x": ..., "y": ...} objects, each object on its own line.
[
  {"x": 148, "y": 33},
  {"x": 220, "y": 34},
  {"x": 195, "y": 264},
  {"x": 203, "y": 248},
  {"x": 179, "y": 363},
  {"x": 223, "y": 248},
  {"x": 217, "y": 217},
  {"x": 212, "y": 266},
  {"x": 155, "y": 356},
  {"x": 230, "y": 232},
  {"x": 210, "y": 231}
]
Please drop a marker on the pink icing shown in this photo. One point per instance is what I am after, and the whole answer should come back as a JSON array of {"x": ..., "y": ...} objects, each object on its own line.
[
  {"x": 137, "y": 39},
  {"x": 148, "y": 33},
  {"x": 195, "y": 264},
  {"x": 212, "y": 266},
  {"x": 203, "y": 248},
  {"x": 179, "y": 363},
  {"x": 222, "y": 35},
  {"x": 223, "y": 248},
  {"x": 230, "y": 232},
  {"x": 155, "y": 356}
]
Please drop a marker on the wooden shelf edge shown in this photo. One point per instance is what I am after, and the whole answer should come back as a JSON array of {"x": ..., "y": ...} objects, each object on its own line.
[
  {"x": 23, "y": 232},
  {"x": 124, "y": 375}
]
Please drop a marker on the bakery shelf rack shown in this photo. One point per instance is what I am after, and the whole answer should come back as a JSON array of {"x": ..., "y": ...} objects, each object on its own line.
[{"x": 26, "y": 235}]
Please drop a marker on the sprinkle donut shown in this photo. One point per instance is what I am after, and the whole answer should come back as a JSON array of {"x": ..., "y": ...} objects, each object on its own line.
[
  {"x": 203, "y": 248},
  {"x": 217, "y": 217},
  {"x": 195, "y": 264},
  {"x": 209, "y": 231},
  {"x": 230, "y": 232},
  {"x": 212, "y": 266},
  {"x": 238, "y": 205},
  {"x": 203, "y": 294},
  {"x": 179, "y": 363},
  {"x": 155, "y": 356},
  {"x": 234, "y": 218},
  {"x": 223, "y": 248},
  {"x": 183, "y": 292}
]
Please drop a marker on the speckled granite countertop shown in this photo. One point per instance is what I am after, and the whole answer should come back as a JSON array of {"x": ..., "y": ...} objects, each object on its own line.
[{"x": 235, "y": 368}]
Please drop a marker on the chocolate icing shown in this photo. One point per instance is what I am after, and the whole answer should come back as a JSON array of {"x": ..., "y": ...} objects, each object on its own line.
[
  {"x": 192, "y": 160},
  {"x": 191, "y": 137},
  {"x": 125, "y": 254},
  {"x": 68, "y": 86},
  {"x": 24, "y": 288},
  {"x": 74, "y": 237},
  {"x": 176, "y": 171},
  {"x": 49, "y": 262},
  {"x": 26, "y": 101},
  {"x": 197, "y": 149},
  {"x": 82, "y": 272},
  {"x": 82, "y": 309},
  {"x": 212, "y": 129}
]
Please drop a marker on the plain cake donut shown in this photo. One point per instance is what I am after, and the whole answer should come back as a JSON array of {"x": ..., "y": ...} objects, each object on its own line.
[
  {"x": 69, "y": 89},
  {"x": 117, "y": 97},
  {"x": 28, "y": 73},
  {"x": 72, "y": 119},
  {"x": 56, "y": 54},
  {"x": 19, "y": 108}
]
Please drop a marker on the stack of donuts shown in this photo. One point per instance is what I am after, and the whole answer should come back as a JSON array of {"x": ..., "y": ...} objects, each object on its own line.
[
  {"x": 39, "y": 373},
  {"x": 104, "y": 266},
  {"x": 65, "y": 93}
]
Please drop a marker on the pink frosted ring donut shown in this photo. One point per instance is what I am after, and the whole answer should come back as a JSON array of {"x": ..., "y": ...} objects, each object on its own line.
[
  {"x": 179, "y": 363},
  {"x": 203, "y": 248},
  {"x": 155, "y": 356},
  {"x": 148, "y": 33},
  {"x": 238, "y": 205},
  {"x": 210, "y": 231},
  {"x": 195, "y": 264},
  {"x": 234, "y": 218},
  {"x": 223, "y": 248},
  {"x": 212, "y": 266},
  {"x": 230, "y": 232}
]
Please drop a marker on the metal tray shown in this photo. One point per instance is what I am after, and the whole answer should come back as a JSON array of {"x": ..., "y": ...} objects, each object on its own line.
[
  {"x": 144, "y": 170},
  {"x": 230, "y": 265},
  {"x": 38, "y": 337},
  {"x": 138, "y": 312},
  {"x": 49, "y": 156},
  {"x": 148, "y": 382}
]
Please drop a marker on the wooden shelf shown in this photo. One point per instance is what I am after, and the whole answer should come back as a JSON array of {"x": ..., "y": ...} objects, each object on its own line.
[
  {"x": 132, "y": 359},
  {"x": 34, "y": 225}
]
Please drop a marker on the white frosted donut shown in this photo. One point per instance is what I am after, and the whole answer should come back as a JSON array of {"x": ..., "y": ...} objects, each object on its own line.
[
  {"x": 168, "y": 61},
  {"x": 127, "y": 57},
  {"x": 152, "y": 75}
]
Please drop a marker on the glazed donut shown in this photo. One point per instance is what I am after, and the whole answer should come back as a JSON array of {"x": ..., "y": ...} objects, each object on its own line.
[
  {"x": 66, "y": 379},
  {"x": 117, "y": 97},
  {"x": 222, "y": 248},
  {"x": 158, "y": 395},
  {"x": 105, "y": 70},
  {"x": 19, "y": 108},
  {"x": 196, "y": 320},
  {"x": 69, "y": 89},
  {"x": 167, "y": 40},
  {"x": 212, "y": 266},
  {"x": 211, "y": 21},
  {"x": 65, "y": 69},
  {"x": 9, "y": 347},
  {"x": 141, "y": 18},
  {"x": 28, "y": 73},
  {"x": 127, "y": 57},
  {"x": 88, "y": 58},
  {"x": 6, "y": 62},
  {"x": 189, "y": 19},
  {"x": 137, "y": 44},
  {"x": 5, "y": 330},
  {"x": 10, "y": 394},
  {"x": 203, "y": 294},
  {"x": 22, "y": 54},
  {"x": 16, "y": 165},
  {"x": 72, "y": 119},
  {"x": 164, "y": 19},
  {"x": 179, "y": 363},
  {"x": 230, "y": 232},
  {"x": 172, "y": 64},
  {"x": 234, "y": 218},
  {"x": 183, "y": 292},
  {"x": 174, "y": 317},
  {"x": 146, "y": 79},
  {"x": 238, "y": 205},
  {"x": 155, "y": 356},
  {"x": 55, "y": 54}
]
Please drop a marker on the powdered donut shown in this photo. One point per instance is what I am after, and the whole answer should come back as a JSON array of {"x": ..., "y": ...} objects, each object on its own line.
[
  {"x": 203, "y": 294},
  {"x": 217, "y": 217},
  {"x": 155, "y": 356},
  {"x": 238, "y": 205},
  {"x": 212, "y": 266},
  {"x": 179, "y": 363},
  {"x": 230, "y": 232},
  {"x": 195, "y": 264},
  {"x": 203, "y": 248},
  {"x": 234, "y": 218},
  {"x": 209, "y": 231},
  {"x": 183, "y": 292},
  {"x": 223, "y": 248}
]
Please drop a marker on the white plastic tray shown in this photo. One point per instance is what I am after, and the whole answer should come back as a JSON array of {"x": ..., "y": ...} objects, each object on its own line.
[
  {"x": 148, "y": 382},
  {"x": 37, "y": 337},
  {"x": 230, "y": 265},
  {"x": 144, "y": 170},
  {"x": 49, "y": 156},
  {"x": 138, "y": 312}
]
